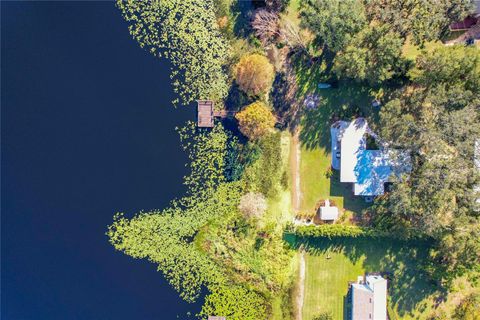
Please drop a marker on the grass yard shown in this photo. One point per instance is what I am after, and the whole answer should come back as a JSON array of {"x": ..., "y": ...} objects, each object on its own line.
[
  {"x": 292, "y": 12},
  {"x": 411, "y": 51},
  {"x": 326, "y": 283},
  {"x": 343, "y": 102}
]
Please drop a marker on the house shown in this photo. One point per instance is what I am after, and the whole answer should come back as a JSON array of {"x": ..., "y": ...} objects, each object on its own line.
[
  {"x": 369, "y": 298},
  {"x": 216, "y": 318},
  {"x": 470, "y": 21},
  {"x": 327, "y": 212},
  {"x": 367, "y": 170}
]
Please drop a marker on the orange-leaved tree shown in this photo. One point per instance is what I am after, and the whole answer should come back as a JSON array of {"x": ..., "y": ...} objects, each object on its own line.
[
  {"x": 255, "y": 120},
  {"x": 254, "y": 74}
]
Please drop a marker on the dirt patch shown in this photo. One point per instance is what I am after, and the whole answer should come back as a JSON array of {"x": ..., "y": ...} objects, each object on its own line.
[{"x": 295, "y": 171}]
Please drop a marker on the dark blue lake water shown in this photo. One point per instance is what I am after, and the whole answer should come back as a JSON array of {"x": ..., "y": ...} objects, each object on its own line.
[{"x": 87, "y": 130}]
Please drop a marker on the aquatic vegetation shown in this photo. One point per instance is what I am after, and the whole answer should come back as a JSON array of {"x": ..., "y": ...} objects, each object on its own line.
[{"x": 186, "y": 33}]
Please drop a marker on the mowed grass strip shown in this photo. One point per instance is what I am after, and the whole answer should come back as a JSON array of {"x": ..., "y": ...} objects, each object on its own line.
[
  {"x": 326, "y": 283},
  {"x": 331, "y": 264},
  {"x": 314, "y": 182}
]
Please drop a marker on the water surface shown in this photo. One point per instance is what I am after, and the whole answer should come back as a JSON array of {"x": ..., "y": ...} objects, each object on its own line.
[{"x": 87, "y": 130}]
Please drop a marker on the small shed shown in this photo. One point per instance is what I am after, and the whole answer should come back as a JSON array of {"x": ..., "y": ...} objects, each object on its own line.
[
  {"x": 327, "y": 212},
  {"x": 205, "y": 114}
]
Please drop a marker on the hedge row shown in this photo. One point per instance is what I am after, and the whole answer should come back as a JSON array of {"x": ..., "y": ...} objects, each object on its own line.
[{"x": 334, "y": 231}]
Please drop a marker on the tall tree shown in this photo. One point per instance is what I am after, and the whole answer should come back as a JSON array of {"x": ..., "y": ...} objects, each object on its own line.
[
  {"x": 374, "y": 55},
  {"x": 256, "y": 120},
  {"x": 424, "y": 20},
  {"x": 254, "y": 74},
  {"x": 334, "y": 22},
  {"x": 186, "y": 33},
  {"x": 438, "y": 121}
]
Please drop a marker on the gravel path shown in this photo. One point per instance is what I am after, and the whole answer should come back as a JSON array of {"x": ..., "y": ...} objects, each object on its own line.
[
  {"x": 295, "y": 167},
  {"x": 296, "y": 198}
]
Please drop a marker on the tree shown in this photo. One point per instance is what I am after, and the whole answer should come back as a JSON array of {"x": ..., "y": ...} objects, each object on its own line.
[
  {"x": 423, "y": 20},
  {"x": 256, "y": 120},
  {"x": 254, "y": 74},
  {"x": 454, "y": 65},
  {"x": 334, "y": 22},
  {"x": 252, "y": 205},
  {"x": 186, "y": 33},
  {"x": 266, "y": 25},
  {"x": 437, "y": 120},
  {"x": 469, "y": 308},
  {"x": 374, "y": 55}
]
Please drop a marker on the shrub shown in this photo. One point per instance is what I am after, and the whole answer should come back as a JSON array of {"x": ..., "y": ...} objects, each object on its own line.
[
  {"x": 235, "y": 302},
  {"x": 323, "y": 316},
  {"x": 256, "y": 120},
  {"x": 265, "y": 174},
  {"x": 254, "y": 74},
  {"x": 265, "y": 24},
  {"x": 252, "y": 205},
  {"x": 335, "y": 230}
]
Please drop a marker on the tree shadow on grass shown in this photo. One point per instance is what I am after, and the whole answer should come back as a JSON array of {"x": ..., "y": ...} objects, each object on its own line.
[
  {"x": 312, "y": 70},
  {"x": 345, "y": 102},
  {"x": 399, "y": 260},
  {"x": 351, "y": 202}
]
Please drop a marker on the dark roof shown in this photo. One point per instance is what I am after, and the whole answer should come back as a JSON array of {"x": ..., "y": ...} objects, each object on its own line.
[
  {"x": 465, "y": 24},
  {"x": 205, "y": 113}
]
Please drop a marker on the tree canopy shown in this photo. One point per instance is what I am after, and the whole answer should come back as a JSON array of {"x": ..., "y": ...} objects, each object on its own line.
[
  {"x": 253, "y": 205},
  {"x": 256, "y": 120},
  {"x": 254, "y": 74},
  {"x": 186, "y": 33},
  {"x": 422, "y": 20},
  {"x": 374, "y": 55},
  {"x": 334, "y": 22},
  {"x": 438, "y": 120}
]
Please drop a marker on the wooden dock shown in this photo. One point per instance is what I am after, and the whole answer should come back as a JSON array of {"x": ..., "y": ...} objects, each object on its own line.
[
  {"x": 206, "y": 114},
  {"x": 224, "y": 114}
]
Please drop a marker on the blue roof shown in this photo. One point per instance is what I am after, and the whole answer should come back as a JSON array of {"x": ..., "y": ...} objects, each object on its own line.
[{"x": 373, "y": 169}]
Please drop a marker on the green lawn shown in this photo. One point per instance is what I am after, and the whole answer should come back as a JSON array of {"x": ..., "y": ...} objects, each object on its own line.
[
  {"x": 326, "y": 283},
  {"x": 292, "y": 12},
  {"x": 411, "y": 51},
  {"x": 343, "y": 102}
]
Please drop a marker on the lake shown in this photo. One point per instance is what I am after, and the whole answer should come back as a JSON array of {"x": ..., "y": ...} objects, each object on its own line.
[{"x": 87, "y": 130}]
